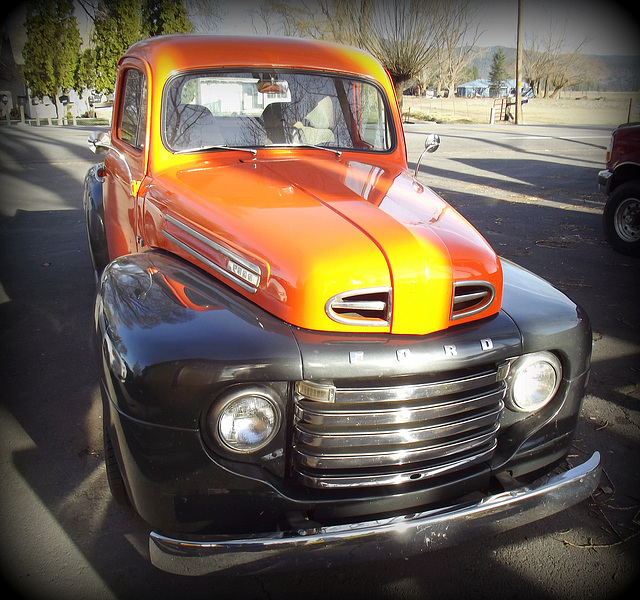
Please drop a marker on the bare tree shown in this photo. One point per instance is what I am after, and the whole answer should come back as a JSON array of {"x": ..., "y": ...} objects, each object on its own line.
[
  {"x": 455, "y": 42},
  {"x": 265, "y": 14},
  {"x": 551, "y": 64},
  {"x": 537, "y": 63},
  {"x": 409, "y": 37},
  {"x": 571, "y": 69},
  {"x": 331, "y": 20},
  {"x": 399, "y": 33},
  {"x": 205, "y": 15}
]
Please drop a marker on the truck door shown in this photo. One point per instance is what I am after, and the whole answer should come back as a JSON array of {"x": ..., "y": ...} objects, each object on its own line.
[{"x": 126, "y": 168}]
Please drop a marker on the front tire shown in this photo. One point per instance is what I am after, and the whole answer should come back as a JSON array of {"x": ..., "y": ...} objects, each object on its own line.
[
  {"x": 94, "y": 220},
  {"x": 621, "y": 218},
  {"x": 114, "y": 475}
]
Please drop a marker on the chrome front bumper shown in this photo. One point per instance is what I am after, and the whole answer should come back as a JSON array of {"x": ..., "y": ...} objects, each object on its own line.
[{"x": 389, "y": 538}]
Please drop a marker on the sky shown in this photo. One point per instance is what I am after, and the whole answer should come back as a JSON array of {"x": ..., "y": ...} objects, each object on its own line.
[
  {"x": 607, "y": 27},
  {"x": 604, "y": 26}
]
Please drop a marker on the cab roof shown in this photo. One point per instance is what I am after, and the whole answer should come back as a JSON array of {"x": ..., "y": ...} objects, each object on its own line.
[{"x": 170, "y": 53}]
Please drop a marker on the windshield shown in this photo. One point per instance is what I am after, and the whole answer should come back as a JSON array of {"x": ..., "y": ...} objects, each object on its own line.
[{"x": 248, "y": 110}]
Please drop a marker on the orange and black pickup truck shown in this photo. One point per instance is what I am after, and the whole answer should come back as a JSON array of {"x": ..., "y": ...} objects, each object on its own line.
[{"x": 307, "y": 356}]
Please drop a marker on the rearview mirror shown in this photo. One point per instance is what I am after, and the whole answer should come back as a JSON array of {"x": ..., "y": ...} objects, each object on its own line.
[
  {"x": 270, "y": 86},
  {"x": 99, "y": 142},
  {"x": 431, "y": 144}
]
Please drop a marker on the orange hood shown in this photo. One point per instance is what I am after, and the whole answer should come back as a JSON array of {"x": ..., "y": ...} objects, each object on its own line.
[{"x": 328, "y": 243}]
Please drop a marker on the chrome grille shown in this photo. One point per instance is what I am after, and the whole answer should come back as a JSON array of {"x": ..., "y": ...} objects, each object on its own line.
[
  {"x": 391, "y": 435},
  {"x": 470, "y": 298}
]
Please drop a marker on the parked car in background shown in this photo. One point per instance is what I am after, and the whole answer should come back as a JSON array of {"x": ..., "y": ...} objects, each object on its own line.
[
  {"x": 621, "y": 182},
  {"x": 307, "y": 356}
]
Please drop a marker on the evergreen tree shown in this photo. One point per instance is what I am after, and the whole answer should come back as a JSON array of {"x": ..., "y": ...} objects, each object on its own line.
[
  {"x": 52, "y": 48},
  {"x": 85, "y": 71},
  {"x": 117, "y": 25},
  {"x": 165, "y": 16},
  {"x": 498, "y": 72}
]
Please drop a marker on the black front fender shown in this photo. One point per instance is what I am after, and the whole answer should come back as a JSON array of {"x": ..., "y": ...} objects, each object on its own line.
[{"x": 172, "y": 337}]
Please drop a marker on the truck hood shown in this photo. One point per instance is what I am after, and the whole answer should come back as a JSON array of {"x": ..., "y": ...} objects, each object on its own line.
[{"x": 329, "y": 244}]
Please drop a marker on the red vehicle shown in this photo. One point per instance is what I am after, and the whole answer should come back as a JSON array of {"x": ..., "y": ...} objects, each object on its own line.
[
  {"x": 308, "y": 357},
  {"x": 621, "y": 182}
]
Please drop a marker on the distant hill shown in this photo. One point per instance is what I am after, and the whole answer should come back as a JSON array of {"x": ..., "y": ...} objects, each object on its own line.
[
  {"x": 613, "y": 73},
  {"x": 623, "y": 73}
]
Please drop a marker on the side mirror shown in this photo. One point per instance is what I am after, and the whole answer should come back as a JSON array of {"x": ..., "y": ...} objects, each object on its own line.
[
  {"x": 431, "y": 144},
  {"x": 99, "y": 142}
]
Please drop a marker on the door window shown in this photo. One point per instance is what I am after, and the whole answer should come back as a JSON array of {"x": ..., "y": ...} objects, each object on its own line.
[{"x": 133, "y": 115}]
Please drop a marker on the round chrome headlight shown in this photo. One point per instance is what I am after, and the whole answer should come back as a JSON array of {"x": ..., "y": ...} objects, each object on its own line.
[
  {"x": 532, "y": 381},
  {"x": 245, "y": 421}
]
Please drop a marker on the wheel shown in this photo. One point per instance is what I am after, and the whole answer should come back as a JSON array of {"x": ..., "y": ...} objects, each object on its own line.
[
  {"x": 114, "y": 475},
  {"x": 94, "y": 221},
  {"x": 621, "y": 218},
  {"x": 97, "y": 245}
]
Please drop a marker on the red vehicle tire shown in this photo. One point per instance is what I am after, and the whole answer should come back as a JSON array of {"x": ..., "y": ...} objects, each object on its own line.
[{"x": 621, "y": 218}]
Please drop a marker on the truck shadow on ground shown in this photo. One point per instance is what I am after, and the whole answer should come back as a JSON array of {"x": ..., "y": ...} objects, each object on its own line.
[{"x": 49, "y": 382}]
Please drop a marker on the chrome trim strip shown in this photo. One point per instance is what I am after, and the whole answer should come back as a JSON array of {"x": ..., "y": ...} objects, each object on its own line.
[
  {"x": 234, "y": 262},
  {"x": 209, "y": 242},
  {"x": 382, "y": 539},
  {"x": 217, "y": 268},
  {"x": 470, "y": 297},
  {"x": 363, "y": 305}
]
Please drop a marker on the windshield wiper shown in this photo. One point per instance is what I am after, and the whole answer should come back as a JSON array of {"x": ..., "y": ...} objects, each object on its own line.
[
  {"x": 337, "y": 152},
  {"x": 252, "y": 151}
]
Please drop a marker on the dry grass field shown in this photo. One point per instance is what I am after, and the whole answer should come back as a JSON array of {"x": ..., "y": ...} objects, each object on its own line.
[{"x": 572, "y": 108}]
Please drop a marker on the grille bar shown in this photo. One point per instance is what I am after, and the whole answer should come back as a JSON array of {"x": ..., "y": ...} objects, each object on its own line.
[
  {"x": 394, "y": 434},
  {"x": 342, "y": 480},
  {"x": 402, "y": 393},
  {"x": 402, "y": 454},
  {"x": 363, "y": 436}
]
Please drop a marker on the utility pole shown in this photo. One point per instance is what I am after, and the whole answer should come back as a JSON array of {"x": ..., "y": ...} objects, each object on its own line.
[{"x": 519, "y": 66}]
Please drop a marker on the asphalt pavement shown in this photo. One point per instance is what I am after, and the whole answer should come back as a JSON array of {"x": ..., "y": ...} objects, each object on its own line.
[{"x": 531, "y": 191}]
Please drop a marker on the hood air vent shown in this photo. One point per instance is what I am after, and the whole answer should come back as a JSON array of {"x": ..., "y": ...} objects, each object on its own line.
[
  {"x": 369, "y": 307},
  {"x": 470, "y": 298}
]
